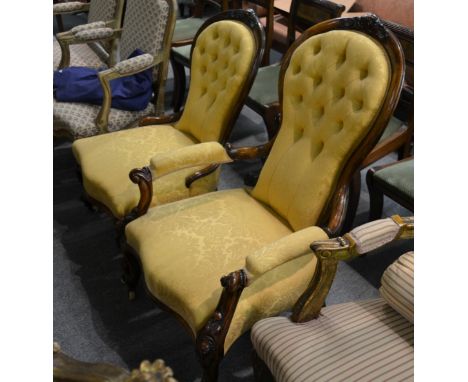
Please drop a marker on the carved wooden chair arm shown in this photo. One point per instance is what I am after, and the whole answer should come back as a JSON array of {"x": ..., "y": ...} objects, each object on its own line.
[
  {"x": 359, "y": 241},
  {"x": 83, "y": 36},
  {"x": 160, "y": 120},
  {"x": 249, "y": 152},
  {"x": 209, "y": 154},
  {"x": 122, "y": 69}
]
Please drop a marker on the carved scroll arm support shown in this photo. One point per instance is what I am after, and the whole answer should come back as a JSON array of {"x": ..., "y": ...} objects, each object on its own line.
[{"x": 359, "y": 241}]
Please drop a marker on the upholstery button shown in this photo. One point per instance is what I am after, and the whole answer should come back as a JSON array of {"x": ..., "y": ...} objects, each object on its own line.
[
  {"x": 339, "y": 126},
  {"x": 317, "y": 149},
  {"x": 317, "y": 48},
  {"x": 357, "y": 105},
  {"x": 296, "y": 69},
  {"x": 317, "y": 80},
  {"x": 363, "y": 73},
  {"x": 339, "y": 93}
]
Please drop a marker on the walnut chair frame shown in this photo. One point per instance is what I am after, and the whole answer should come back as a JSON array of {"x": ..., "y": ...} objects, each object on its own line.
[
  {"x": 210, "y": 339},
  {"x": 124, "y": 68},
  {"x": 329, "y": 10},
  {"x": 329, "y": 253},
  {"x": 142, "y": 176}
]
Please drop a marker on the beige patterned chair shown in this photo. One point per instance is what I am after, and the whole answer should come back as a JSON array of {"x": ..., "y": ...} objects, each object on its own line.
[
  {"x": 148, "y": 25},
  {"x": 356, "y": 341},
  {"x": 101, "y": 14}
]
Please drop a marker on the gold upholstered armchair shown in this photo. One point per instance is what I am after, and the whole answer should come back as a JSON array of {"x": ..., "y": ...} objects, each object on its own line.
[
  {"x": 369, "y": 340},
  {"x": 71, "y": 48},
  {"x": 339, "y": 84},
  {"x": 148, "y": 26},
  {"x": 225, "y": 58}
]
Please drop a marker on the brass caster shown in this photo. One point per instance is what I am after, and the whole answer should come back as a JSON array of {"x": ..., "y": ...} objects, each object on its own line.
[{"x": 131, "y": 295}]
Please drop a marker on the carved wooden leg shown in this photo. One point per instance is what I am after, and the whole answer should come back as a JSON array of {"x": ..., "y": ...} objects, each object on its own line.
[
  {"x": 179, "y": 84},
  {"x": 210, "y": 339},
  {"x": 375, "y": 197},
  {"x": 131, "y": 272}
]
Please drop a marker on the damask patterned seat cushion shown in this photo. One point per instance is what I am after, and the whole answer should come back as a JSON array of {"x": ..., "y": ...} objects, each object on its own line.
[
  {"x": 107, "y": 159},
  {"x": 358, "y": 341},
  {"x": 80, "y": 55},
  {"x": 187, "y": 246}
]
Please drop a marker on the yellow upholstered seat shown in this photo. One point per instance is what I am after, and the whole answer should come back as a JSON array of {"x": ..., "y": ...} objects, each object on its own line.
[
  {"x": 213, "y": 234},
  {"x": 223, "y": 57}
]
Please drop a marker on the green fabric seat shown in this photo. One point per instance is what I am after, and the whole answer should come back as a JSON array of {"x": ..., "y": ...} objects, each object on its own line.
[
  {"x": 265, "y": 87},
  {"x": 183, "y": 52},
  {"x": 399, "y": 178},
  {"x": 187, "y": 28},
  {"x": 392, "y": 127}
]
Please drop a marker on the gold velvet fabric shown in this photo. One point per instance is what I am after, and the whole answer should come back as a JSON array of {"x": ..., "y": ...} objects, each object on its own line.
[
  {"x": 185, "y": 247},
  {"x": 333, "y": 89},
  {"x": 222, "y": 60},
  {"x": 107, "y": 159}
]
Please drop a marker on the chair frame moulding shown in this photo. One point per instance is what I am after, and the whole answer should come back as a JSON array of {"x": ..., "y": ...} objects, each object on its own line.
[
  {"x": 157, "y": 84},
  {"x": 209, "y": 341}
]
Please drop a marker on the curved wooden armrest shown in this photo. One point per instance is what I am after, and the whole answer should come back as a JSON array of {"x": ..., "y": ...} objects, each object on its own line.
[
  {"x": 160, "y": 120},
  {"x": 250, "y": 152},
  {"x": 360, "y": 240}
]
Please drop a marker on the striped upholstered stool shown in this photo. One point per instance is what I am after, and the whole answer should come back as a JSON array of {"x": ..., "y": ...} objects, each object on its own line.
[{"x": 357, "y": 341}]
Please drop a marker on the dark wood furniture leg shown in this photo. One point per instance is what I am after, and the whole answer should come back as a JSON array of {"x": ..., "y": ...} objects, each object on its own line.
[
  {"x": 375, "y": 197},
  {"x": 131, "y": 272},
  {"x": 179, "y": 84}
]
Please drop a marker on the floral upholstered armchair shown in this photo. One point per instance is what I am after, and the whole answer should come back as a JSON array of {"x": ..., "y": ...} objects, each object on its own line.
[
  {"x": 225, "y": 58},
  {"x": 76, "y": 47},
  {"x": 148, "y": 26},
  {"x": 339, "y": 85},
  {"x": 356, "y": 341}
]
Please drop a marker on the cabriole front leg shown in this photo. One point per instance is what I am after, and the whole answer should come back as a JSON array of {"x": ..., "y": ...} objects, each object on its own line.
[
  {"x": 210, "y": 339},
  {"x": 131, "y": 272}
]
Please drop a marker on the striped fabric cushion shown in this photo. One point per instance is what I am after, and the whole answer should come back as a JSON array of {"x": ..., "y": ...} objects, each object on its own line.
[
  {"x": 398, "y": 285},
  {"x": 357, "y": 341}
]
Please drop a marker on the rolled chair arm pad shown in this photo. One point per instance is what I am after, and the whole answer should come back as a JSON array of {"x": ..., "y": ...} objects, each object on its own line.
[
  {"x": 201, "y": 154},
  {"x": 375, "y": 234},
  {"x": 134, "y": 64},
  {"x": 283, "y": 250},
  {"x": 93, "y": 34},
  {"x": 70, "y": 7},
  {"x": 85, "y": 27}
]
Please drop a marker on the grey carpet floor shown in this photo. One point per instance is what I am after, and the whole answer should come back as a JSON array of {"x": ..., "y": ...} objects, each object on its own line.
[{"x": 94, "y": 321}]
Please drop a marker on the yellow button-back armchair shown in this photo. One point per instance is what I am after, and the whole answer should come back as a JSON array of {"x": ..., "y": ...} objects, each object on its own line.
[
  {"x": 225, "y": 58},
  {"x": 361, "y": 341},
  {"x": 102, "y": 15},
  {"x": 339, "y": 85},
  {"x": 148, "y": 26}
]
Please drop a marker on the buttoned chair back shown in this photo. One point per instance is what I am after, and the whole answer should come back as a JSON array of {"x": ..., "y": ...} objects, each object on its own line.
[
  {"x": 338, "y": 89},
  {"x": 222, "y": 58}
]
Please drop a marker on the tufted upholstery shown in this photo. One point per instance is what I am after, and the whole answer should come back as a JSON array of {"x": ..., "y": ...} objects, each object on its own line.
[
  {"x": 221, "y": 62},
  {"x": 213, "y": 234},
  {"x": 333, "y": 89}
]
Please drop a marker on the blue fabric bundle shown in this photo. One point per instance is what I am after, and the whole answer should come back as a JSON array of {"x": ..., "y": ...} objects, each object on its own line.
[{"x": 81, "y": 84}]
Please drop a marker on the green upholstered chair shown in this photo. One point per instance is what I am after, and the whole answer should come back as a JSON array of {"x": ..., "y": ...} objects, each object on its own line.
[
  {"x": 371, "y": 340},
  {"x": 395, "y": 180},
  {"x": 342, "y": 79},
  {"x": 226, "y": 54},
  {"x": 148, "y": 26},
  {"x": 82, "y": 52}
]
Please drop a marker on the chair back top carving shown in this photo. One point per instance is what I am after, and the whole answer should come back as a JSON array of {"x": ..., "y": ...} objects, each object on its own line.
[
  {"x": 339, "y": 85},
  {"x": 225, "y": 57},
  {"x": 306, "y": 13},
  {"x": 105, "y": 10}
]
